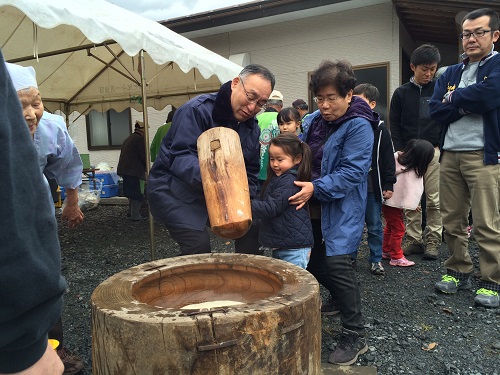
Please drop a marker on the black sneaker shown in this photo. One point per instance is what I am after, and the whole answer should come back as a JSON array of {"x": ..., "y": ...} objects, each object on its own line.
[
  {"x": 377, "y": 269},
  {"x": 451, "y": 285},
  {"x": 350, "y": 345}
]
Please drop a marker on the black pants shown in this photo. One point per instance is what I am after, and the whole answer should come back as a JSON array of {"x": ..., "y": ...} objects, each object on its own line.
[
  {"x": 132, "y": 188},
  {"x": 337, "y": 275},
  {"x": 198, "y": 242}
]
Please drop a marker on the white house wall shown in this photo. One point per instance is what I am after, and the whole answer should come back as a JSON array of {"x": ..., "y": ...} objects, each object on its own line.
[{"x": 292, "y": 49}]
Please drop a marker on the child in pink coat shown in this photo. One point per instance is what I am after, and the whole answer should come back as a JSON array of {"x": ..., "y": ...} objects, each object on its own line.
[{"x": 411, "y": 165}]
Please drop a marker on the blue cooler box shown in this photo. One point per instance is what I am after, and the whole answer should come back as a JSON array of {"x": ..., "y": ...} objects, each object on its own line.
[
  {"x": 109, "y": 191},
  {"x": 107, "y": 178}
]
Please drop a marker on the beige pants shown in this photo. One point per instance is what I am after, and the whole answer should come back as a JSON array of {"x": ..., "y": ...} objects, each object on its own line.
[
  {"x": 433, "y": 213},
  {"x": 466, "y": 182}
]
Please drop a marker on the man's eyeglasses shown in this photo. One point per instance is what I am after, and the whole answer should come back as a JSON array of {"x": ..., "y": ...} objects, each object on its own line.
[
  {"x": 475, "y": 34},
  {"x": 251, "y": 99},
  {"x": 330, "y": 99}
]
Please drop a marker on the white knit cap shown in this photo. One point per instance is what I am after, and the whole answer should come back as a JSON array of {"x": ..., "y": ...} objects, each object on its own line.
[{"x": 23, "y": 77}]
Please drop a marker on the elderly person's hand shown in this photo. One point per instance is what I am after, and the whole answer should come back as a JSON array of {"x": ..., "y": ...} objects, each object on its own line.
[
  {"x": 71, "y": 211},
  {"x": 305, "y": 193}
]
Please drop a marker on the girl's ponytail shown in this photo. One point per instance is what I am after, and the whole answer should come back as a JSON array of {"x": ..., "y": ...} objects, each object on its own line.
[{"x": 305, "y": 167}]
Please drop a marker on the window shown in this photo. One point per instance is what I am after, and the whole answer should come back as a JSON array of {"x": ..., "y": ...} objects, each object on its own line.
[
  {"x": 378, "y": 76},
  {"x": 107, "y": 130}
]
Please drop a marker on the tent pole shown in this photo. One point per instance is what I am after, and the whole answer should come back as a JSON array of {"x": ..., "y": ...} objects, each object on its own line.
[{"x": 142, "y": 65}]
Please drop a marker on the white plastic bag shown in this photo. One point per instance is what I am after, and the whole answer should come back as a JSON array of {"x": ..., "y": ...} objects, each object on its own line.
[
  {"x": 89, "y": 194},
  {"x": 103, "y": 166}
]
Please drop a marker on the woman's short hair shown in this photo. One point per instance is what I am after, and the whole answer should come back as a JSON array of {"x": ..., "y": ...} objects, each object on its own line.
[{"x": 338, "y": 74}]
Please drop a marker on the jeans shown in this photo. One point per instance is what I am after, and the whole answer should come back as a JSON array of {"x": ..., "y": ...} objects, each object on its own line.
[
  {"x": 337, "y": 275},
  {"x": 299, "y": 257},
  {"x": 373, "y": 220}
]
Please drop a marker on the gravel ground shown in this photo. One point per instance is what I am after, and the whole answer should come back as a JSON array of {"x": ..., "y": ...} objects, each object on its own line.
[{"x": 412, "y": 329}]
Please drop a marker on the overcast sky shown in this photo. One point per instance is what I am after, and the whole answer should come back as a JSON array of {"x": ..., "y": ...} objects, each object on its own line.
[{"x": 160, "y": 10}]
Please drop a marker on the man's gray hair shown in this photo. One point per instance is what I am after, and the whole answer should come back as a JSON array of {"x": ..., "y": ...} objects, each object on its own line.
[{"x": 260, "y": 70}]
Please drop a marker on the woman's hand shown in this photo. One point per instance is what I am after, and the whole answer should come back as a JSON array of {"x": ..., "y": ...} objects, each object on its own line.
[{"x": 306, "y": 192}]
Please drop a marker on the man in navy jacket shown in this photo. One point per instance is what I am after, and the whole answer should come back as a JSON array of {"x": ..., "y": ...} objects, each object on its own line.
[
  {"x": 175, "y": 191},
  {"x": 467, "y": 103}
]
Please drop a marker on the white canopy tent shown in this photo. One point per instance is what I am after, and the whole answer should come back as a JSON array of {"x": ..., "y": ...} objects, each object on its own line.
[
  {"x": 95, "y": 55},
  {"x": 86, "y": 55}
]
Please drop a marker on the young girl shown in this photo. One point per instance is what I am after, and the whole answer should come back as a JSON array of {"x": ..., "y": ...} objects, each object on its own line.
[
  {"x": 284, "y": 229},
  {"x": 411, "y": 165},
  {"x": 289, "y": 120}
]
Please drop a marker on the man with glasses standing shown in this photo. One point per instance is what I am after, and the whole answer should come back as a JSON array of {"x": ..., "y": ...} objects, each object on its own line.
[
  {"x": 175, "y": 191},
  {"x": 466, "y": 101}
]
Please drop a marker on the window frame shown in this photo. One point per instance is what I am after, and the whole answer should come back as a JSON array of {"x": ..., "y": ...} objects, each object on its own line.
[{"x": 108, "y": 129}]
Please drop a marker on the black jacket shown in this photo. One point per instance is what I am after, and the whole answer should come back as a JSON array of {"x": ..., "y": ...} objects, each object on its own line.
[
  {"x": 409, "y": 115},
  {"x": 383, "y": 169},
  {"x": 282, "y": 226},
  {"x": 132, "y": 160}
]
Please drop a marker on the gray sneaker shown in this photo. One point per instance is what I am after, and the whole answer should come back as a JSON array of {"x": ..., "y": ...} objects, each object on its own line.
[
  {"x": 413, "y": 248},
  {"x": 350, "y": 345},
  {"x": 487, "y": 298},
  {"x": 450, "y": 284}
]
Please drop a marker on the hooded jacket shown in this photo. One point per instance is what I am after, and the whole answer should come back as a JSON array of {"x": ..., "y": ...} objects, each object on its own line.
[
  {"x": 282, "y": 225},
  {"x": 342, "y": 185},
  {"x": 175, "y": 191}
]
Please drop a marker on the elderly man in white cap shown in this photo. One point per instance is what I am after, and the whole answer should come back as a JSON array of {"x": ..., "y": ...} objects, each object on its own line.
[
  {"x": 57, "y": 155},
  {"x": 58, "y": 158}
]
